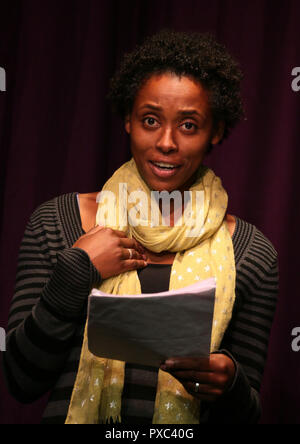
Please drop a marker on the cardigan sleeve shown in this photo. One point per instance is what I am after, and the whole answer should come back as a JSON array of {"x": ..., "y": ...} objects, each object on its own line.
[
  {"x": 247, "y": 337},
  {"x": 51, "y": 290}
]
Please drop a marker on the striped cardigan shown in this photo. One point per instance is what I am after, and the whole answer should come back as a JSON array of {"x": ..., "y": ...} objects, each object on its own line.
[{"x": 48, "y": 312}]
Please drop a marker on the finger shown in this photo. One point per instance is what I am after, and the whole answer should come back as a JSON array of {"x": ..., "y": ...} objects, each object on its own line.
[
  {"x": 139, "y": 247},
  {"x": 133, "y": 244},
  {"x": 192, "y": 376},
  {"x": 199, "y": 364},
  {"x": 130, "y": 253},
  {"x": 133, "y": 264},
  {"x": 120, "y": 233},
  {"x": 204, "y": 389}
]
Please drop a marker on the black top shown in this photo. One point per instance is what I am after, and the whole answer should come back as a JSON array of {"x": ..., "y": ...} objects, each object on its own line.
[{"x": 155, "y": 278}]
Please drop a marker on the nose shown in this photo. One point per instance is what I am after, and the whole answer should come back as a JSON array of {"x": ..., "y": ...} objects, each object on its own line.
[{"x": 166, "y": 142}]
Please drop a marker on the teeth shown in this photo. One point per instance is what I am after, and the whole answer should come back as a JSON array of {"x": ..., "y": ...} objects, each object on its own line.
[{"x": 165, "y": 165}]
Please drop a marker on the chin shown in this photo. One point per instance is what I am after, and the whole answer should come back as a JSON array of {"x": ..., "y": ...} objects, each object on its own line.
[{"x": 164, "y": 187}]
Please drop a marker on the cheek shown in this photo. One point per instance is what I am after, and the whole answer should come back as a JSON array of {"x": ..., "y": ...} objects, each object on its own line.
[
  {"x": 140, "y": 143},
  {"x": 193, "y": 151},
  {"x": 139, "y": 150}
]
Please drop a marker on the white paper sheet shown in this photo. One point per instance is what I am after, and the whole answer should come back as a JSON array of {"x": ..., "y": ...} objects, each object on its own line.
[{"x": 149, "y": 328}]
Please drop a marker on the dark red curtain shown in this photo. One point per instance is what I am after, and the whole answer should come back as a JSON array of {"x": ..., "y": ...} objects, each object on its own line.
[{"x": 57, "y": 135}]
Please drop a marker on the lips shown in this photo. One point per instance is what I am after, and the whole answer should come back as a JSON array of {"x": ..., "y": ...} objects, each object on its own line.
[
  {"x": 165, "y": 163},
  {"x": 164, "y": 169}
]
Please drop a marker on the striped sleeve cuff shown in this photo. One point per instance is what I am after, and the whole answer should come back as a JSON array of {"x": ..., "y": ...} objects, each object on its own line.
[
  {"x": 240, "y": 404},
  {"x": 67, "y": 291}
]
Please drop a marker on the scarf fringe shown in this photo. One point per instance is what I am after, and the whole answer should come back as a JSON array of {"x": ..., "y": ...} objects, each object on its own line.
[{"x": 112, "y": 420}]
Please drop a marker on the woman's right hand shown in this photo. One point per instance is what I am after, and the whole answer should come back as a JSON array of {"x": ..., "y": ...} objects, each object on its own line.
[{"x": 111, "y": 251}]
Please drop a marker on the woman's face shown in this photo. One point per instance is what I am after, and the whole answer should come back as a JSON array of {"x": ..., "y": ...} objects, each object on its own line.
[{"x": 170, "y": 128}]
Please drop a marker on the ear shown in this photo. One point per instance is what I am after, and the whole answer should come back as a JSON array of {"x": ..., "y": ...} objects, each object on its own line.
[
  {"x": 218, "y": 133},
  {"x": 127, "y": 124}
]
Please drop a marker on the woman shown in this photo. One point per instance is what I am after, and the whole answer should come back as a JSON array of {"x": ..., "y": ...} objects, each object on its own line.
[{"x": 179, "y": 95}]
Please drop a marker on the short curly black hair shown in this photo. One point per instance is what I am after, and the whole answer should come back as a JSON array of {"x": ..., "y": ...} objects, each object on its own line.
[{"x": 192, "y": 54}]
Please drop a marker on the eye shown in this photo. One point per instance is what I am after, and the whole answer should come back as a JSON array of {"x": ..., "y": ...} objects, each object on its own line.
[
  {"x": 150, "y": 122},
  {"x": 189, "y": 126}
]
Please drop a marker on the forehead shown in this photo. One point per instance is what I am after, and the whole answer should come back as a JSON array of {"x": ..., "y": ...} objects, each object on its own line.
[{"x": 169, "y": 89}]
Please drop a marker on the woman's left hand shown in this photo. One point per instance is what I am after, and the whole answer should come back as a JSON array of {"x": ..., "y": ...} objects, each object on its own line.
[{"x": 205, "y": 378}]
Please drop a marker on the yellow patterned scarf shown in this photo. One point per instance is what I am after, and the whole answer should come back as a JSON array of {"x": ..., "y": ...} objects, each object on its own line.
[{"x": 97, "y": 392}]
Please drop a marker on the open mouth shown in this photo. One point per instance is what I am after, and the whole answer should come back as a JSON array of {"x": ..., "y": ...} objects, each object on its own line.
[
  {"x": 165, "y": 166},
  {"x": 163, "y": 169}
]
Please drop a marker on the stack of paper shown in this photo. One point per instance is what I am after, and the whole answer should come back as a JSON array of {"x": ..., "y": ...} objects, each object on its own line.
[{"x": 149, "y": 328}]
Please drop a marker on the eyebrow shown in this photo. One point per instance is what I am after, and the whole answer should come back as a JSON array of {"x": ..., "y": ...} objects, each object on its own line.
[
  {"x": 183, "y": 112},
  {"x": 191, "y": 112},
  {"x": 153, "y": 107}
]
